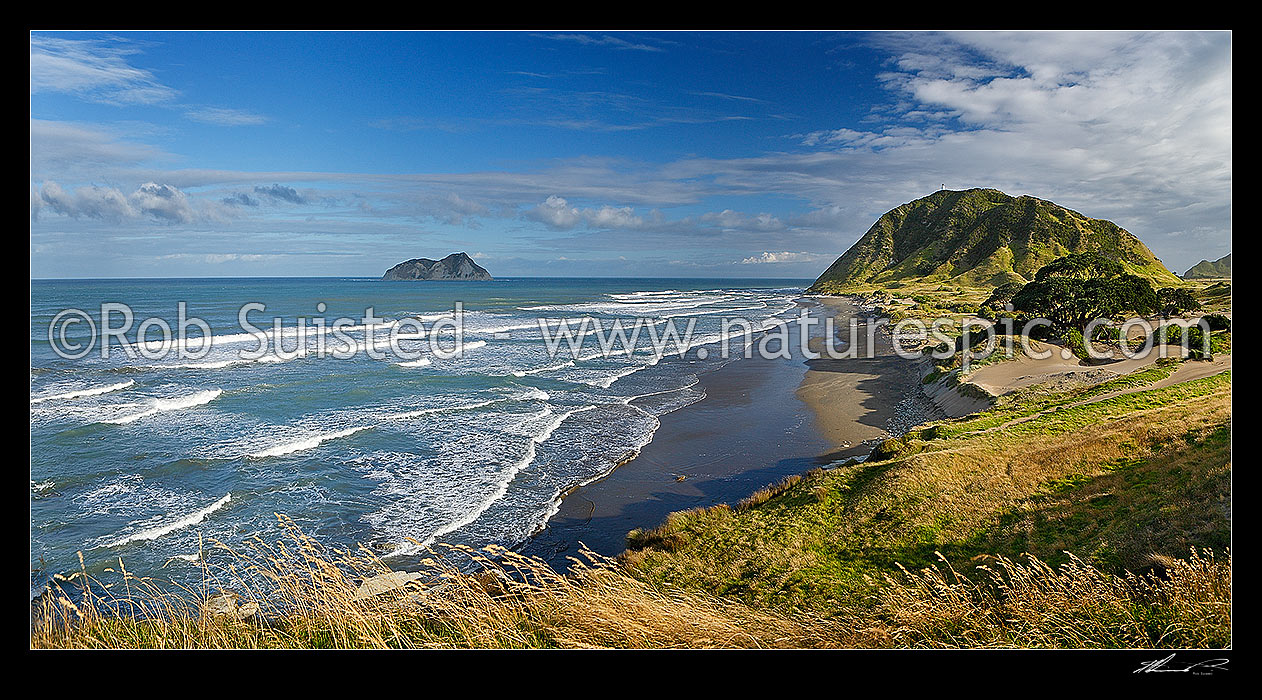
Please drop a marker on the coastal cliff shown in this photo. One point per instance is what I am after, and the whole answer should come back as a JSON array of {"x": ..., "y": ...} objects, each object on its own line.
[{"x": 457, "y": 266}]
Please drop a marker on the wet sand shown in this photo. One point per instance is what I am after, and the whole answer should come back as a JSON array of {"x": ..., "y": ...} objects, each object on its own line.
[
  {"x": 860, "y": 400},
  {"x": 760, "y": 420}
]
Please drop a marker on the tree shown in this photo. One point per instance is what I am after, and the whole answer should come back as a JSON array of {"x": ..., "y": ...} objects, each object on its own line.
[
  {"x": 1080, "y": 266},
  {"x": 1173, "y": 301},
  {"x": 1002, "y": 295},
  {"x": 1074, "y": 290}
]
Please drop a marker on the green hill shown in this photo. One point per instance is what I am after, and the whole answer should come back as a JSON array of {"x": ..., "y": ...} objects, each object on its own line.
[
  {"x": 981, "y": 238},
  {"x": 1210, "y": 270}
]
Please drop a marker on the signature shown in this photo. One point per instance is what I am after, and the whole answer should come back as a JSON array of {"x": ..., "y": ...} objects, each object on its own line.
[{"x": 1199, "y": 668}]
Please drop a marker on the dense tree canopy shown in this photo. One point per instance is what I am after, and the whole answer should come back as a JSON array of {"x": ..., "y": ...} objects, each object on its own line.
[
  {"x": 1172, "y": 301},
  {"x": 1082, "y": 266},
  {"x": 1002, "y": 295},
  {"x": 1076, "y": 289}
]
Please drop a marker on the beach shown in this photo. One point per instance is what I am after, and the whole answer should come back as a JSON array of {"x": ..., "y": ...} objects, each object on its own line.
[{"x": 761, "y": 420}]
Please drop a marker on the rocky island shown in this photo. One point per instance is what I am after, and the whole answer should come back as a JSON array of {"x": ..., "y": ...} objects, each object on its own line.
[{"x": 457, "y": 266}]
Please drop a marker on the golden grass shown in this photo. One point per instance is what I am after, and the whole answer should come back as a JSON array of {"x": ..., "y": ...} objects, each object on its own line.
[
  {"x": 296, "y": 594},
  {"x": 1030, "y": 604}
]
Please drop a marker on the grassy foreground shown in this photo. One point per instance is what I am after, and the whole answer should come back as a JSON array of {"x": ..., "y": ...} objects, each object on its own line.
[{"x": 1017, "y": 527}]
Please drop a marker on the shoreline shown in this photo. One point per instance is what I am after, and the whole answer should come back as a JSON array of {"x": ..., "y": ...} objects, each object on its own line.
[{"x": 759, "y": 421}]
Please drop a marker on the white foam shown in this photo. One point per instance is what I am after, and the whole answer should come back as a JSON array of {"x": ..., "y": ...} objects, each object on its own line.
[
  {"x": 503, "y": 483},
  {"x": 534, "y": 394},
  {"x": 220, "y": 364},
  {"x": 268, "y": 336},
  {"x": 161, "y": 405},
  {"x": 156, "y": 532},
  {"x": 84, "y": 392},
  {"x": 444, "y": 409},
  {"x": 306, "y": 443},
  {"x": 606, "y": 382},
  {"x": 540, "y": 370},
  {"x": 423, "y": 362},
  {"x": 492, "y": 330}
]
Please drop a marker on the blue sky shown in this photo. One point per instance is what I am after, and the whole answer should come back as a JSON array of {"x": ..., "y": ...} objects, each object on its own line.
[{"x": 725, "y": 154}]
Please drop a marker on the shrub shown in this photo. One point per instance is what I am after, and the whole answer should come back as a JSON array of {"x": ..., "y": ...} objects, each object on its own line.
[
  {"x": 1218, "y": 322},
  {"x": 888, "y": 449},
  {"x": 1073, "y": 338}
]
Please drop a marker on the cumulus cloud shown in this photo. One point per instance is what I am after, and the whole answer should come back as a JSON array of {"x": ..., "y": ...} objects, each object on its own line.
[
  {"x": 782, "y": 257},
  {"x": 162, "y": 202},
  {"x": 282, "y": 193},
  {"x": 159, "y": 202},
  {"x": 240, "y": 199},
  {"x": 556, "y": 213},
  {"x": 613, "y": 217},
  {"x": 220, "y": 258},
  {"x": 105, "y": 203},
  {"x": 729, "y": 219}
]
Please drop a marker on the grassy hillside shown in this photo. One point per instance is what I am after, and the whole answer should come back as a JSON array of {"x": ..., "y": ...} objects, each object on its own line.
[
  {"x": 1123, "y": 483},
  {"x": 1218, "y": 269},
  {"x": 980, "y": 238}
]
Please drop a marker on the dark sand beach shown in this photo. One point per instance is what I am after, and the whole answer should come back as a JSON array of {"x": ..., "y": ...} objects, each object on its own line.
[{"x": 760, "y": 420}]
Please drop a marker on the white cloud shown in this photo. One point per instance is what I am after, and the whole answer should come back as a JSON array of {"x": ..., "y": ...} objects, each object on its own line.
[
  {"x": 605, "y": 40},
  {"x": 161, "y": 202},
  {"x": 556, "y": 213},
  {"x": 783, "y": 257},
  {"x": 105, "y": 203},
  {"x": 729, "y": 219},
  {"x": 94, "y": 70},
  {"x": 60, "y": 149},
  {"x": 613, "y": 217},
  {"x": 221, "y": 258},
  {"x": 222, "y": 116}
]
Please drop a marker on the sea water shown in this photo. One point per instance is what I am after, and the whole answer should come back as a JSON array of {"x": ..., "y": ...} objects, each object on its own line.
[{"x": 135, "y": 458}]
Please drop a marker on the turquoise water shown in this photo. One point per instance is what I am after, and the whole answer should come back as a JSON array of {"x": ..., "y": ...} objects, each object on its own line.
[{"x": 135, "y": 457}]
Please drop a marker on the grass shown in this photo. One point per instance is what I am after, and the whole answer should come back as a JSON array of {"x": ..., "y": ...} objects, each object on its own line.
[
  {"x": 298, "y": 595},
  {"x": 1125, "y": 482},
  {"x": 294, "y": 593}
]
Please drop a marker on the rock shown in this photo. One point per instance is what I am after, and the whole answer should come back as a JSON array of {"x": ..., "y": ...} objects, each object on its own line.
[
  {"x": 456, "y": 266},
  {"x": 224, "y": 604},
  {"x": 384, "y": 583},
  {"x": 221, "y": 603},
  {"x": 250, "y": 609}
]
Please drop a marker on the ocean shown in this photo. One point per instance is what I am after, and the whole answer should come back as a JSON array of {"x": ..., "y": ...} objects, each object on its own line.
[{"x": 134, "y": 458}]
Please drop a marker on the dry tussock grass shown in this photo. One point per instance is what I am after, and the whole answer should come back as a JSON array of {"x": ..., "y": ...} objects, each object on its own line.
[
  {"x": 295, "y": 594},
  {"x": 1029, "y": 604}
]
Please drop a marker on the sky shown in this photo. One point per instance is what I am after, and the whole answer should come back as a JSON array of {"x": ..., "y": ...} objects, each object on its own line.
[{"x": 658, "y": 154}]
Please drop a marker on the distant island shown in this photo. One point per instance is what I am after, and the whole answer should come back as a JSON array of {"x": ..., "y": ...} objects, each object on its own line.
[
  {"x": 457, "y": 266},
  {"x": 1206, "y": 270},
  {"x": 981, "y": 238}
]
